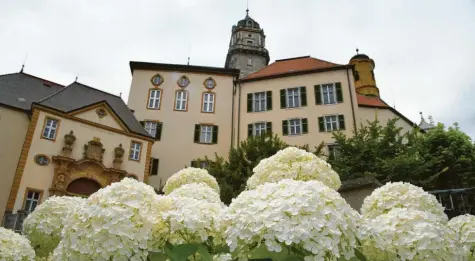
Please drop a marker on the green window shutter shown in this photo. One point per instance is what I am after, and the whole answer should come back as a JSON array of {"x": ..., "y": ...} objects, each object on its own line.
[
  {"x": 269, "y": 127},
  {"x": 304, "y": 126},
  {"x": 285, "y": 128},
  {"x": 269, "y": 100},
  {"x": 249, "y": 130},
  {"x": 154, "y": 168},
  {"x": 341, "y": 120},
  {"x": 197, "y": 133},
  {"x": 303, "y": 96},
  {"x": 158, "y": 135},
  {"x": 142, "y": 123},
  {"x": 194, "y": 164},
  {"x": 339, "y": 93},
  {"x": 318, "y": 94},
  {"x": 321, "y": 124},
  {"x": 215, "y": 134},
  {"x": 283, "y": 103},
  {"x": 249, "y": 102}
]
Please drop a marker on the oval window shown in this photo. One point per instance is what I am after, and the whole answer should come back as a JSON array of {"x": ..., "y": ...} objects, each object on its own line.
[{"x": 42, "y": 160}]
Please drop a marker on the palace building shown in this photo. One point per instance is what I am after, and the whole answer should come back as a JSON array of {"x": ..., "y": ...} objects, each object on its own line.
[{"x": 75, "y": 139}]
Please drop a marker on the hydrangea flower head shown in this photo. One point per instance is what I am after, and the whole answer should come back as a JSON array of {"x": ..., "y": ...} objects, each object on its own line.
[
  {"x": 464, "y": 228},
  {"x": 307, "y": 216},
  {"x": 117, "y": 222},
  {"x": 198, "y": 191},
  {"x": 293, "y": 163},
  {"x": 401, "y": 195},
  {"x": 15, "y": 247},
  {"x": 44, "y": 225},
  {"x": 188, "y": 176},
  {"x": 409, "y": 234}
]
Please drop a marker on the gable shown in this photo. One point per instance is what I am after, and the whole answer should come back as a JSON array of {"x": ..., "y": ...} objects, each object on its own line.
[{"x": 100, "y": 113}]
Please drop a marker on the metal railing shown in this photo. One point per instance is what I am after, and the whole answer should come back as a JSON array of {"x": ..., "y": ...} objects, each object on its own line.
[{"x": 456, "y": 201}]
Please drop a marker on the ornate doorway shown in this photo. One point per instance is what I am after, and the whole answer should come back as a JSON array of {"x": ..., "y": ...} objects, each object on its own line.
[{"x": 83, "y": 187}]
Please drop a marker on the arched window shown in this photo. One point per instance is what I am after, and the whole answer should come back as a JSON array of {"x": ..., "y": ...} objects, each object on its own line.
[{"x": 83, "y": 186}]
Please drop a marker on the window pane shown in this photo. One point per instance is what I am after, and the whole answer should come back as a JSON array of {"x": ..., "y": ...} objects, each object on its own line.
[
  {"x": 36, "y": 195},
  {"x": 33, "y": 206},
  {"x": 27, "y": 204}
]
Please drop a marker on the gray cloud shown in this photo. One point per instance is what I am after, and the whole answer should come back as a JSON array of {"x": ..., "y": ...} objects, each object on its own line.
[{"x": 424, "y": 50}]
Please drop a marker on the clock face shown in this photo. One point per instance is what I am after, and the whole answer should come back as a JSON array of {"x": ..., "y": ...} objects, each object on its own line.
[
  {"x": 157, "y": 80},
  {"x": 210, "y": 83},
  {"x": 183, "y": 81}
]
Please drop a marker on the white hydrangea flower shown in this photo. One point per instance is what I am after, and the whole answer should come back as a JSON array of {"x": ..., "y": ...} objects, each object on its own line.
[
  {"x": 44, "y": 225},
  {"x": 188, "y": 176},
  {"x": 464, "y": 227},
  {"x": 191, "y": 221},
  {"x": 409, "y": 234},
  {"x": 198, "y": 191},
  {"x": 222, "y": 257},
  {"x": 293, "y": 163},
  {"x": 116, "y": 223},
  {"x": 401, "y": 195},
  {"x": 14, "y": 247},
  {"x": 308, "y": 216}
]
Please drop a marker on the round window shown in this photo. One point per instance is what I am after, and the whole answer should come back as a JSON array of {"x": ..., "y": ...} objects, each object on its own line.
[
  {"x": 183, "y": 81},
  {"x": 210, "y": 83},
  {"x": 42, "y": 160},
  {"x": 157, "y": 80}
]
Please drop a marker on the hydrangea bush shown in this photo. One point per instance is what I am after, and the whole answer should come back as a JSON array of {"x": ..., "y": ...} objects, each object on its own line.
[
  {"x": 401, "y": 195},
  {"x": 189, "y": 176},
  {"x": 197, "y": 191},
  {"x": 408, "y": 234},
  {"x": 296, "y": 164},
  {"x": 15, "y": 247},
  {"x": 43, "y": 227},
  {"x": 292, "y": 218},
  {"x": 464, "y": 228}
]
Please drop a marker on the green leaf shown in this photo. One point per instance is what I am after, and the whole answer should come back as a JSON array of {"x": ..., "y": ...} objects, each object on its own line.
[
  {"x": 181, "y": 252},
  {"x": 155, "y": 256},
  {"x": 262, "y": 253},
  {"x": 359, "y": 255},
  {"x": 222, "y": 249},
  {"x": 204, "y": 253}
]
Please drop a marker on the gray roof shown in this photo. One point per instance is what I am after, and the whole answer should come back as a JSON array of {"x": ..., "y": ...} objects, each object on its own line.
[
  {"x": 76, "y": 96},
  {"x": 425, "y": 125},
  {"x": 20, "y": 90}
]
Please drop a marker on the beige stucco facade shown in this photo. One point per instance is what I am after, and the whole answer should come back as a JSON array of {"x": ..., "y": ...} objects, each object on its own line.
[
  {"x": 366, "y": 114},
  {"x": 176, "y": 147},
  {"x": 86, "y": 126},
  {"x": 13, "y": 126},
  {"x": 311, "y": 111}
]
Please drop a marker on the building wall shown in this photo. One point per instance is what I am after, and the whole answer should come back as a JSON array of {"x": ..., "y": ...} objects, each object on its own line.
[
  {"x": 91, "y": 115},
  {"x": 355, "y": 197},
  {"x": 14, "y": 125},
  {"x": 369, "y": 114},
  {"x": 247, "y": 63},
  {"x": 176, "y": 148},
  {"x": 40, "y": 177},
  {"x": 311, "y": 111}
]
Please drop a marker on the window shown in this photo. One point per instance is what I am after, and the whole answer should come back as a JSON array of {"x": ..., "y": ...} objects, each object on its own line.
[
  {"x": 32, "y": 199},
  {"x": 332, "y": 151},
  {"x": 204, "y": 164},
  {"x": 200, "y": 164},
  {"x": 259, "y": 101},
  {"x": 259, "y": 128},
  {"x": 331, "y": 123},
  {"x": 181, "y": 99},
  {"x": 151, "y": 127},
  {"x": 294, "y": 126},
  {"x": 293, "y": 97},
  {"x": 206, "y": 134},
  {"x": 135, "y": 149},
  {"x": 154, "y": 164},
  {"x": 183, "y": 81},
  {"x": 329, "y": 93},
  {"x": 154, "y": 99},
  {"x": 50, "y": 128},
  {"x": 157, "y": 80},
  {"x": 41, "y": 160},
  {"x": 249, "y": 62},
  {"x": 208, "y": 102}
]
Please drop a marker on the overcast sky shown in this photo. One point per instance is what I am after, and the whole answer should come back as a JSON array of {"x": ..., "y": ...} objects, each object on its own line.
[{"x": 424, "y": 50}]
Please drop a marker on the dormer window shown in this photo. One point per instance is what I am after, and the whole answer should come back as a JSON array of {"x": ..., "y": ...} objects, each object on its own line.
[{"x": 249, "y": 23}]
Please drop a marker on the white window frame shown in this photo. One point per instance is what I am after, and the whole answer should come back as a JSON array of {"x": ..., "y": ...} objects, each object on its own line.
[
  {"x": 135, "y": 150},
  {"x": 181, "y": 99},
  {"x": 332, "y": 152},
  {"x": 259, "y": 128},
  {"x": 259, "y": 98},
  {"x": 296, "y": 124},
  {"x": 204, "y": 165},
  {"x": 154, "y": 99},
  {"x": 294, "y": 95},
  {"x": 30, "y": 200},
  {"x": 328, "y": 91},
  {"x": 328, "y": 120},
  {"x": 208, "y": 101},
  {"x": 50, "y": 129},
  {"x": 206, "y": 134},
  {"x": 151, "y": 127}
]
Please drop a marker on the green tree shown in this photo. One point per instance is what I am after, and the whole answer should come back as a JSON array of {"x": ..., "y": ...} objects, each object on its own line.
[{"x": 233, "y": 173}]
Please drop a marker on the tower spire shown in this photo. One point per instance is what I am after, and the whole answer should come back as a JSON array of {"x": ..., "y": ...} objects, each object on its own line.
[{"x": 247, "y": 8}]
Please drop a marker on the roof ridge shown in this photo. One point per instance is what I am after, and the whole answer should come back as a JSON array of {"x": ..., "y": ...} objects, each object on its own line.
[
  {"x": 39, "y": 78},
  {"x": 326, "y": 61},
  {"x": 7, "y": 74},
  {"x": 293, "y": 58},
  {"x": 51, "y": 95}
]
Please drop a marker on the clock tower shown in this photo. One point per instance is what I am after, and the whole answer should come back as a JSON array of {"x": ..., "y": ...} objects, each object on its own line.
[{"x": 247, "y": 50}]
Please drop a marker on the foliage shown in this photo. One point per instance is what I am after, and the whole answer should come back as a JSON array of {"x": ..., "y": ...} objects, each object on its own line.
[{"x": 232, "y": 174}]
